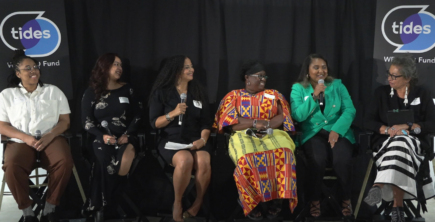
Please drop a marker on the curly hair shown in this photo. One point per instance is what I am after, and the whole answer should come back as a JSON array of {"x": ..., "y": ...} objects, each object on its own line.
[
  {"x": 168, "y": 76},
  {"x": 19, "y": 56},
  {"x": 303, "y": 79},
  {"x": 100, "y": 74},
  {"x": 407, "y": 68}
]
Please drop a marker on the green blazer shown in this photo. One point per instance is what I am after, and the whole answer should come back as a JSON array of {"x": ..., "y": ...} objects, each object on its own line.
[{"x": 338, "y": 114}]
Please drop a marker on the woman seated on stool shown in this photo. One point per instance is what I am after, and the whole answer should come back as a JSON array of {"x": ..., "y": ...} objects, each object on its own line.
[
  {"x": 399, "y": 148},
  {"x": 325, "y": 125},
  {"x": 265, "y": 164},
  {"x": 166, "y": 113},
  {"x": 26, "y": 107},
  {"x": 113, "y": 101}
]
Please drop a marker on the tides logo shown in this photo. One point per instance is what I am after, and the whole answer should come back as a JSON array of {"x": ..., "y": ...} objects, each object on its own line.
[
  {"x": 39, "y": 36},
  {"x": 410, "y": 28}
]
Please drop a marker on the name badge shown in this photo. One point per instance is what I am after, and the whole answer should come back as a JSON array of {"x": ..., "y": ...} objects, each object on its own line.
[
  {"x": 197, "y": 104},
  {"x": 269, "y": 96},
  {"x": 123, "y": 100},
  {"x": 416, "y": 101}
]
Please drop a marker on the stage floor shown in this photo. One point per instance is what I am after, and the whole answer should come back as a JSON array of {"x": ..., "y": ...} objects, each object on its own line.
[{"x": 10, "y": 212}]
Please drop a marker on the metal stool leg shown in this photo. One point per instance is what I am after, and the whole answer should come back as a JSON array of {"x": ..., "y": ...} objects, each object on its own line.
[
  {"x": 2, "y": 192},
  {"x": 79, "y": 184},
  {"x": 363, "y": 188}
]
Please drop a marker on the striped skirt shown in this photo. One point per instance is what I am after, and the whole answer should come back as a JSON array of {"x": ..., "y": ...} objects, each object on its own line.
[
  {"x": 398, "y": 161},
  {"x": 265, "y": 168}
]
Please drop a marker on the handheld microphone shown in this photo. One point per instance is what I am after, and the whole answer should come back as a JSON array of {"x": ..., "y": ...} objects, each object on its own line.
[
  {"x": 250, "y": 132},
  {"x": 268, "y": 131},
  {"x": 38, "y": 137},
  {"x": 416, "y": 131},
  {"x": 106, "y": 126},
  {"x": 183, "y": 97},
  {"x": 321, "y": 81}
]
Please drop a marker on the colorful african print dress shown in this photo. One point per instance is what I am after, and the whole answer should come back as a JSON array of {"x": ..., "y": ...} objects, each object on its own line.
[{"x": 265, "y": 167}]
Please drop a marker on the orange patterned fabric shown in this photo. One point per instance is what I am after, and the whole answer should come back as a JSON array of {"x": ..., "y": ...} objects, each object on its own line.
[
  {"x": 261, "y": 106},
  {"x": 264, "y": 176},
  {"x": 269, "y": 171}
]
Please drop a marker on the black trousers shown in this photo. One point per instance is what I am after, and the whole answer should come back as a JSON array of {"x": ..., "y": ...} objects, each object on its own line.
[{"x": 319, "y": 154}]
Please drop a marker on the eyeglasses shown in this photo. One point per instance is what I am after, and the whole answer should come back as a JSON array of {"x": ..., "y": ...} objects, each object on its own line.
[
  {"x": 260, "y": 77},
  {"x": 28, "y": 69},
  {"x": 393, "y": 77}
]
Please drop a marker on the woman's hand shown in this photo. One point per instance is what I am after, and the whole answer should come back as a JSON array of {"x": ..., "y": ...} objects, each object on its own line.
[
  {"x": 197, "y": 144},
  {"x": 398, "y": 133},
  {"x": 123, "y": 139},
  {"x": 44, "y": 141},
  {"x": 397, "y": 128},
  {"x": 109, "y": 140},
  {"x": 262, "y": 124},
  {"x": 30, "y": 140},
  {"x": 333, "y": 138},
  {"x": 180, "y": 109},
  {"x": 319, "y": 88}
]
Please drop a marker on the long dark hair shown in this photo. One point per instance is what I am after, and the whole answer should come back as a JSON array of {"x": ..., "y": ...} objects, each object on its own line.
[
  {"x": 303, "y": 79},
  {"x": 168, "y": 76},
  {"x": 100, "y": 74},
  {"x": 19, "y": 56}
]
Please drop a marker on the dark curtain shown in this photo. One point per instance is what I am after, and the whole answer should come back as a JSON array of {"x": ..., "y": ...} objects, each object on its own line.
[{"x": 218, "y": 35}]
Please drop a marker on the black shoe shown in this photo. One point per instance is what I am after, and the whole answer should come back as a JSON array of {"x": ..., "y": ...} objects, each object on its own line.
[
  {"x": 397, "y": 214},
  {"x": 31, "y": 219},
  {"x": 51, "y": 217}
]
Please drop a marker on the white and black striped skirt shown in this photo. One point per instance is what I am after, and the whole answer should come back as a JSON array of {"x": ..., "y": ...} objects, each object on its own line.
[{"x": 398, "y": 161}]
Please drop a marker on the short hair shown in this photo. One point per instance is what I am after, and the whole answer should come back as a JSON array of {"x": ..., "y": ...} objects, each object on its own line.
[
  {"x": 407, "y": 68},
  {"x": 251, "y": 67}
]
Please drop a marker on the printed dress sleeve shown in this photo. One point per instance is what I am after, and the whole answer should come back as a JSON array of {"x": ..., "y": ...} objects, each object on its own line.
[
  {"x": 89, "y": 122},
  {"x": 137, "y": 111},
  {"x": 227, "y": 114}
]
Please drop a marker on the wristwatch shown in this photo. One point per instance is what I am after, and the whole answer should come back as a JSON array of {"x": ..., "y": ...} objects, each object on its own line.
[
  {"x": 168, "y": 118},
  {"x": 386, "y": 129}
]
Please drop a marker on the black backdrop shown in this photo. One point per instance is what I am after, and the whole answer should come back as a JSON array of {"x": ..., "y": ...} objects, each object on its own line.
[{"x": 218, "y": 35}]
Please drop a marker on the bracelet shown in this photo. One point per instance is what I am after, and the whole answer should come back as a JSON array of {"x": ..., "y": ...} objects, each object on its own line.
[
  {"x": 203, "y": 140},
  {"x": 168, "y": 118},
  {"x": 254, "y": 124},
  {"x": 268, "y": 124},
  {"x": 386, "y": 130}
]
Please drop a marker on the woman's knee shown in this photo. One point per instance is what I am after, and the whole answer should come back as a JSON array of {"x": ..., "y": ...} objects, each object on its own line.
[
  {"x": 129, "y": 152},
  {"x": 183, "y": 160},
  {"x": 202, "y": 160}
]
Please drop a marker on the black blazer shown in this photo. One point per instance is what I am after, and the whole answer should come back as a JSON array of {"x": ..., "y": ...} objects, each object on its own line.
[{"x": 424, "y": 112}]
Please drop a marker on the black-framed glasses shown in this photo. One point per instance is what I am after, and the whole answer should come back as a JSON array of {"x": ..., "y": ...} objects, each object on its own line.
[
  {"x": 260, "y": 77},
  {"x": 28, "y": 69},
  {"x": 393, "y": 77}
]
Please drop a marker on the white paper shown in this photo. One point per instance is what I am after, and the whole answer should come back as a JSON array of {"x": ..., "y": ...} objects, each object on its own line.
[
  {"x": 269, "y": 96},
  {"x": 123, "y": 100},
  {"x": 416, "y": 101},
  {"x": 177, "y": 146},
  {"x": 197, "y": 104}
]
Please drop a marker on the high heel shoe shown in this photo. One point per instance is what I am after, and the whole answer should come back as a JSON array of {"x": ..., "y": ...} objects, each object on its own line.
[
  {"x": 315, "y": 210},
  {"x": 99, "y": 215}
]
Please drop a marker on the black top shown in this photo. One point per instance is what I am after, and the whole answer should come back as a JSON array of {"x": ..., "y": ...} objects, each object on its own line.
[
  {"x": 195, "y": 119},
  {"x": 118, "y": 107},
  {"x": 419, "y": 100}
]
